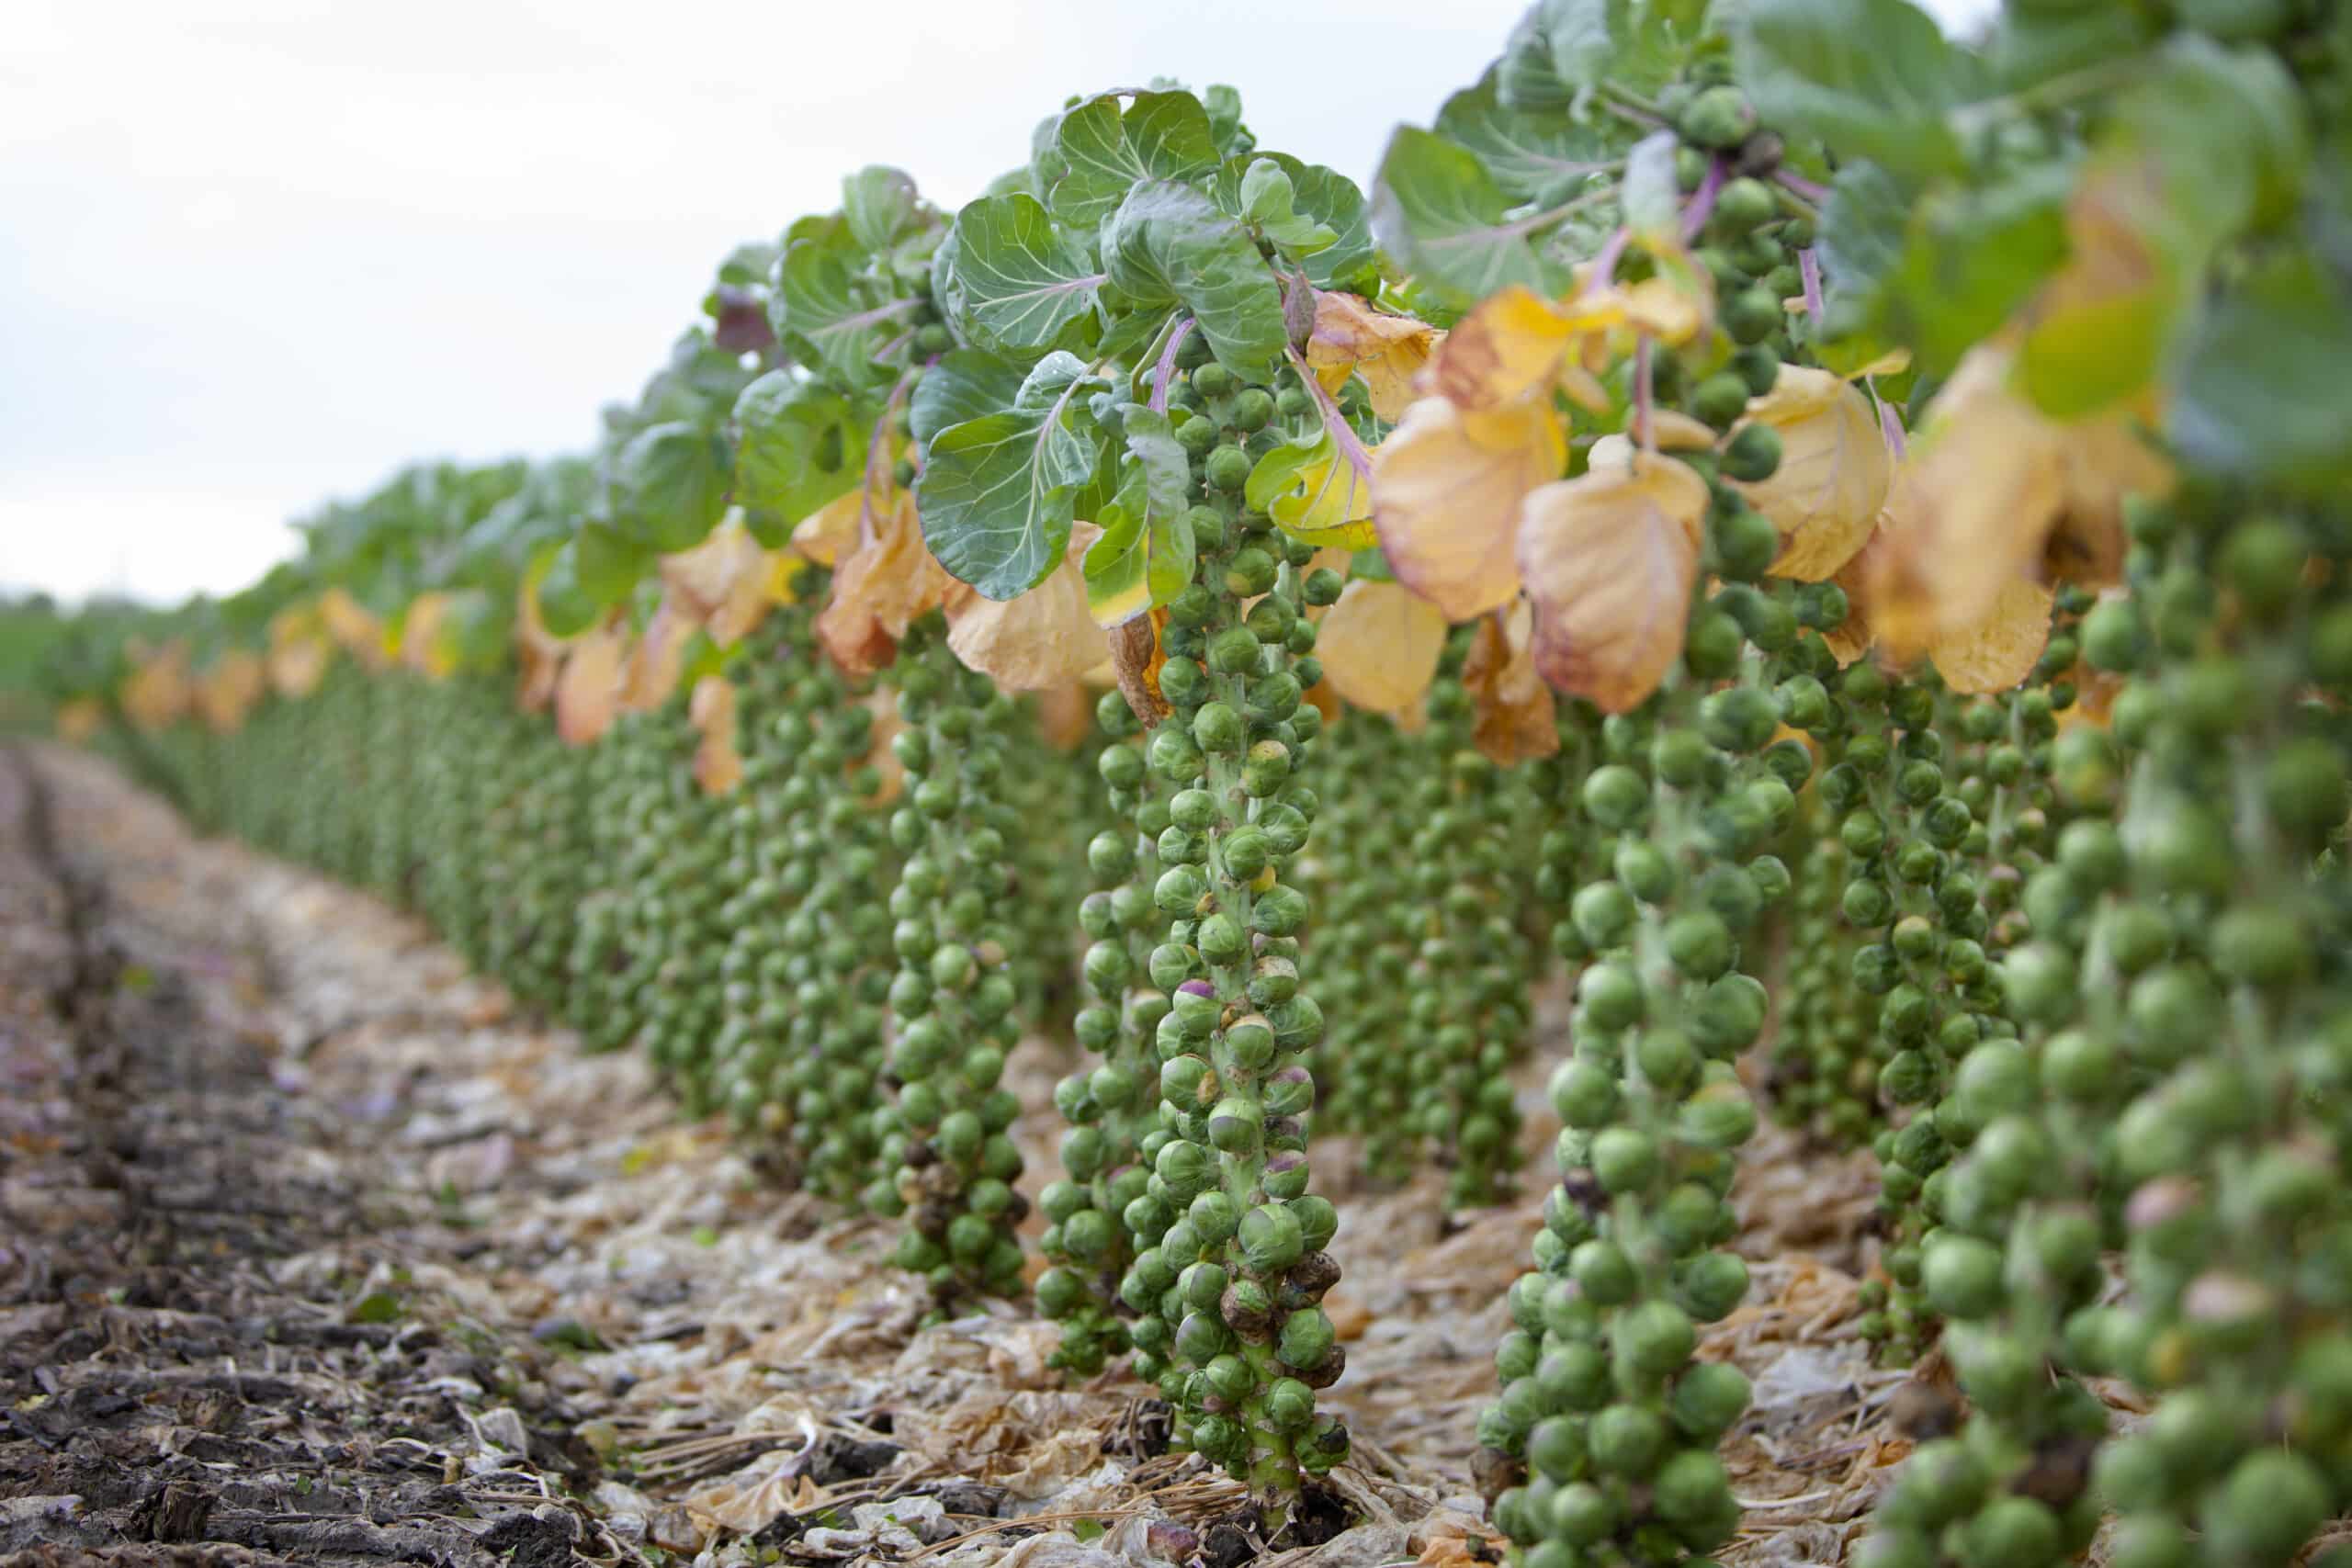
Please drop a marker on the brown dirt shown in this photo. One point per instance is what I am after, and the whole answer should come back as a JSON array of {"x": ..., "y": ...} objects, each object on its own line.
[{"x": 311, "y": 1250}]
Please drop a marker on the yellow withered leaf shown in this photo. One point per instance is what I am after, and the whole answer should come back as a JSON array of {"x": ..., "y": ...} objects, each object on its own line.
[
  {"x": 725, "y": 583},
  {"x": 1379, "y": 646},
  {"x": 1515, "y": 344},
  {"x": 429, "y": 642},
  {"x": 540, "y": 651},
  {"x": 1043, "y": 639},
  {"x": 831, "y": 533},
  {"x": 79, "y": 719},
  {"x": 588, "y": 692},
  {"x": 1834, "y": 474},
  {"x": 227, "y": 692},
  {"x": 1446, "y": 491},
  {"x": 157, "y": 692},
  {"x": 1513, "y": 717},
  {"x": 1852, "y": 637},
  {"x": 1351, "y": 338},
  {"x": 2001, "y": 650},
  {"x": 1983, "y": 483},
  {"x": 719, "y": 766},
  {"x": 879, "y": 589},
  {"x": 352, "y": 627},
  {"x": 658, "y": 659},
  {"x": 1608, "y": 561},
  {"x": 298, "y": 650}
]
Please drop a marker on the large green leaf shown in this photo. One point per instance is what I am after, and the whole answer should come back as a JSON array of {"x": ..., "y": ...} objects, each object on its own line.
[
  {"x": 1525, "y": 76},
  {"x": 799, "y": 446},
  {"x": 674, "y": 478},
  {"x": 1168, "y": 244},
  {"x": 2227, "y": 127},
  {"x": 880, "y": 205},
  {"x": 1939, "y": 270},
  {"x": 996, "y": 492},
  {"x": 828, "y": 315},
  {"x": 1442, "y": 217},
  {"x": 606, "y": 562},
  {"x": 1161, "y": 136},
  {"x": 1011, "y": 282},
  {"x": 966, "y": 384},
  {"x": 1873, "y": 78},
  {"x": 566, "y": 607},
  {"x": 1531, "y": 157},
  {"x": 1630, "y": 43},
  {"x": 2262, "y": 392},
  {"x": 1317, "y": 196}
]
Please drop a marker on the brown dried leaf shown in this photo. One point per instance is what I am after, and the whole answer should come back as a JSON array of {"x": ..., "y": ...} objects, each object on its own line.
[
  {"x": 2001, "y": 650},
  {"x": 659, "y": 657},
  {"x": 1135, "y": 656},
  {"x": 830, "y": 535},
  {"x": 1379, "y": 646},
  {"x": 354, "y": 629},
  {"x": 158, "y": 690},
  {"x": 719, "y": 766},
  {"x": 298, "y": 651},
  {"x": 1045, "y": 637},
  {"x": 1514, "y": 717},
  {"x": 1388, "y": 352},
  {"x": 880, "y": 589},
  {"x": 226, "y": 693},
  {"x": 1835, "y": 471},
  {"x": 725, "y": 583},
  {"x": 1608, "y": 561},
  {"x": 1446, "y": 493},
  {"x": 588, "y": 692}
]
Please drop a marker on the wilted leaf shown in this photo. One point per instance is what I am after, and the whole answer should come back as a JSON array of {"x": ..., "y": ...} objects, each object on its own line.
[
  {"x": 1447, "y": 487},
  {"x": 829, "y": 534},
  {"x": 428, "y": 643},
  {"x": 1352, "y": 339},
  {"x": 1835, "y": 471},
  {"x": 157, "y": 692},
  {"x": 1608, "y": 561},
  {"x": 80, "y": 718},
  {"x": 539, "y": 651},
  {"x": 1379, "y": 645},
  {"x": 227, "y": 692},
  {"x": 353, "y": 629},
  {"x": 1513, "y": 717},
  {"x": 719, "y": 766},
  {"x": 658, "y": 658},
  {"x": 2001, "y": 650},
  {"x": 298, "y": 650},
  {"x": 726, "y": 584},
  {"x": 1514, "y": 344},
  {"x": 1066, "y": 713},
  {"x": 1851, "y": 637},
  {"x": 1045, "y": 638},
  {"x": 587, "y": 694},
  {"x": 880, "y": 589},
  {"x": 1313, "y": 489},
  {"x": 1135, "y": 657}
]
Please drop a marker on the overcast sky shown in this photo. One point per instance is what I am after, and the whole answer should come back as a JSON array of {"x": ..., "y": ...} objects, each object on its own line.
[{"x": 258, "y": 254}]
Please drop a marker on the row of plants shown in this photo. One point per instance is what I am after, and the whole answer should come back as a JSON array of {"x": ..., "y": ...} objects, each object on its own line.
[{"x": 1828, "y": 541}]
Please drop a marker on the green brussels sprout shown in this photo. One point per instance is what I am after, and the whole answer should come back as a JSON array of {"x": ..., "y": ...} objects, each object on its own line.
[{"x": 1307, "y": 1340}]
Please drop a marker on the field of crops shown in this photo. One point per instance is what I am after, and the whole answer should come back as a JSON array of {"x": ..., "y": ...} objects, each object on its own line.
[{"x": 1764, "y": 597}]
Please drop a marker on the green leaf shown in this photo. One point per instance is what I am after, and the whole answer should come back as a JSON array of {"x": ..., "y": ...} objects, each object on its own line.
[
  {"x": 608, "y": 563},
  {"x": 880, "y": 205},
  {"x": 827, "y": 316},
  {"x": 800, "y": 446},
  {"x": 1873, "y": 78},
  {"x": 1939, "y": 270},
  {"x": 1320, "y": 198},
  {"x": 1161, "y": 136},
  {"x": 1652, "y": 200},
  {"x": 1147, "y": 553},
  {"x": 2035, "y": 47},
  {"x": 566, "y": 607},
  {"x": 2262, "y": 391},
  {"x": 1168, "y": 244},
  {"x": 1444, "y": 219},
  {"x": 996, "y": 492},
  {"x": 675, "y": 477},
  {"x": 1529, "y": 155},
  {"x": 1223, "y": 107},
  {"x": 1637, "y": 44},
  {"x": 1525, "y": 76},
  {"x": 2227, "y": 130},
  {"x": 1009, "y": 281},
  {"x": 377, "y": 1307},
  {"x": 965, "y": 385}
]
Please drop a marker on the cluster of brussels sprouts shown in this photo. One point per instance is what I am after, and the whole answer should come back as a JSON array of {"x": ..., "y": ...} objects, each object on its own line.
[
  {"x": 1092, "y": 1211},
  {"x": 2178, "y": 1092},
  {"x": 1229, "y": 1267},
  {"x": 955, "y": 996},
  {"x": 538, "y": 860}
]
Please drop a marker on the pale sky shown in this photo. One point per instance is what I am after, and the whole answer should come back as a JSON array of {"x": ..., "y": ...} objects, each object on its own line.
[{"x": 259, "y": 254}]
